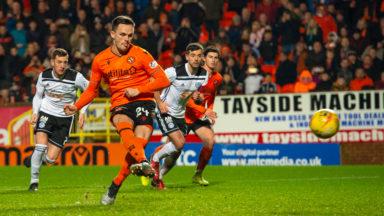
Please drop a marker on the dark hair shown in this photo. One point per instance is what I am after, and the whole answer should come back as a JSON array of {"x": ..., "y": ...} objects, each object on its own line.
[
  {"x": 126, "y": 20},
  {"x": 193, "y": 47},
  {"x": 58, "y": 52},
  {"x": 211, "y": 49}
]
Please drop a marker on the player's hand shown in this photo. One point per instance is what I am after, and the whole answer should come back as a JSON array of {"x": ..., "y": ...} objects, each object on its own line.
[
  {"x": 163, "y": 107},
  {"x": 70, "y": 109},
  {"x": 212, "y": 121},
  {"x": 210, "y": 114},
  {"x": 131, "y": 92},
  {"x": 33, "y": 119},
  {"x": 195, "y": 95},
  {"x": 198, "y": 97},
  {"x": 81, "y": 120}
]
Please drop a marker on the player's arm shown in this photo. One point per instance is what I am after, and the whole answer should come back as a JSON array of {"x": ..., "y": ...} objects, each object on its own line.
[
  {"x": 162, "y": 105},
  {"x": 192, "y": 105},
  {"x": 89, "y": 94},
  {"x": 171, "y": 76},
  {"x": 82, "y": 83},
  {"x": 209, "y": 111},
  {"x": 211, "y": 100},
  {"x": 159, "y": 82},
  {"x": 196, "y": 96},
  {"x": 159, "y": 79},
  {"x": 201, "y": 109},
  {"x": 212, "y": 115},
  {"x": 37, "y": 99}
]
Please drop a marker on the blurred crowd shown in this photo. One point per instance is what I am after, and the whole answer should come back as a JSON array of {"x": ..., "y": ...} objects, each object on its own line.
[{"x": 267, "y": 46}]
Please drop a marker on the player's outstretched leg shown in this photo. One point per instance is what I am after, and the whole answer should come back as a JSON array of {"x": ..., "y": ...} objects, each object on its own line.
[
  {"x": 110, "y": 195},
  {"x": 135, "y": 146},
  {"x": 36, "y": 161}
]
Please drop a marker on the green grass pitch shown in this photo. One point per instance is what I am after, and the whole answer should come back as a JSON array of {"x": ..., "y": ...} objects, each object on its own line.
[{"x": 338, "y": 190}]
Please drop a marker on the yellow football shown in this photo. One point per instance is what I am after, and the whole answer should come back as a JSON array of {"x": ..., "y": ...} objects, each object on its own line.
[{"x": 324, "y": 123}]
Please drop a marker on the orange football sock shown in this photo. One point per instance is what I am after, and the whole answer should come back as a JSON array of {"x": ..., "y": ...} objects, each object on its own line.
[
  {"x": 204, "y": 157},
  {"x": 135, "y": 145},
  {"x": 124, "y": 171}
]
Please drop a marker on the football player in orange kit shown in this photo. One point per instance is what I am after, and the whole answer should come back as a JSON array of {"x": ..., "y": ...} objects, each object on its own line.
[
  {"x": 133, "y": 75},
  {"x": 199, "y": 114}
]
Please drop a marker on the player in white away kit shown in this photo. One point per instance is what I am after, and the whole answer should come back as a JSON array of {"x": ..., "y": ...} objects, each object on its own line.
[
  {"x": 185, "y": 80},
  {"x": 55, "y": 88}
]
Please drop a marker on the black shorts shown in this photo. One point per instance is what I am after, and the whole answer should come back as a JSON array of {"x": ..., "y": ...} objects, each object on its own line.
[
  {"x": 57, "y": 128},
  {"x": 198, "y": 124},
  {"x": 168, "y": 123},
  {"x": 141, "y": 112}
]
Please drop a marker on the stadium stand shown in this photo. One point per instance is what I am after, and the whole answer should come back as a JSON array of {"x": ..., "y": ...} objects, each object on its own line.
[{"x": 338, "y": 38}]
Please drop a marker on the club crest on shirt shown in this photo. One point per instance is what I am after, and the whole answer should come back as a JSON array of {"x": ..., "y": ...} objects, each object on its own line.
[
  {"x": 131, "y": 59},
  {"x": 153, "y": 64}
]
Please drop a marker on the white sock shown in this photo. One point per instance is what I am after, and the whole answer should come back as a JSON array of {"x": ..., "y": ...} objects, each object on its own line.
[
  {"x": 166, "y": 150},
  {"x": 36, "y": 161},
  {"x": 169, "y": 163}
]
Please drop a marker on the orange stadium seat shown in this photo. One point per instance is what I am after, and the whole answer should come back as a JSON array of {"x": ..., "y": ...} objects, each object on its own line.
[
  {"x": 270, "y": 69},
  {"x": 226, "y": 21}
]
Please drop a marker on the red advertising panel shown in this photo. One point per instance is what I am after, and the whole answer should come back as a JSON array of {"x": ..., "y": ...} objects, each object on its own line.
[
  {"x": 72, "y": 154},
  {"x": 14, "y": 122}
]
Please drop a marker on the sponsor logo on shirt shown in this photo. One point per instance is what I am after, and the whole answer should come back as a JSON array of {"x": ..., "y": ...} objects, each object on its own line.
[
  {"x": 120, "y": 72},
  {"x": 54, "y": 95}
]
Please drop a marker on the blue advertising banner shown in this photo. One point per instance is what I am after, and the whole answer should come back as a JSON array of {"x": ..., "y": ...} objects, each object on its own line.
[{"x": 261, "y": 155}]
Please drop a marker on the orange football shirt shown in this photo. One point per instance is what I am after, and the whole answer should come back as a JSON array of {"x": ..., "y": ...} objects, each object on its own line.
[{"x": 132, "y": 70}]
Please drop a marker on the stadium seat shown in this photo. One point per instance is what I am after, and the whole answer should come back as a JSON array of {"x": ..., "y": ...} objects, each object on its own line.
[
  {"x": 226, "y": 21},
  {"x": 288, "y": 88},
  {"x": 270, "y": 69}
]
